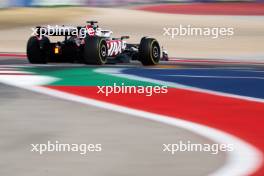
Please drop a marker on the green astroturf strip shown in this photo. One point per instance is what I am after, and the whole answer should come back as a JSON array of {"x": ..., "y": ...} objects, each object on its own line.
[{"x": 84, "y": 77}]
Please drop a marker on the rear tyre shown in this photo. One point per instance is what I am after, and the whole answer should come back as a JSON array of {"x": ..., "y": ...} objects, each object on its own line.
[
  {"x": 95, "y": 51},
  {"x": 38, "y": 50},
  {"x": 149, "y": 51}
]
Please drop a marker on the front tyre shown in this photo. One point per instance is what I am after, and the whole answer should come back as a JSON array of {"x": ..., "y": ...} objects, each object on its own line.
[
  {"x": 95, "y": 50},
  {"x": 149, "y": 51},
  {"x": 38, "y": 50}
]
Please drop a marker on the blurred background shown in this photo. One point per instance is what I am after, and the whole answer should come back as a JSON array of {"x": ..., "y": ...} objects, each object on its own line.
[
  {"x": 140, "y": 18},
  {"x": 23, "y": 3}
]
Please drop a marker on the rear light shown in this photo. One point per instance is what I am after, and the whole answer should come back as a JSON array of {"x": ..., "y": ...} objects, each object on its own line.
[{"x": 56, "y": 50}]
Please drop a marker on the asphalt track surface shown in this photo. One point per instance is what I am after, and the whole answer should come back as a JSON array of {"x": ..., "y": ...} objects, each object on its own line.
[{"x": 131, "y": 145}]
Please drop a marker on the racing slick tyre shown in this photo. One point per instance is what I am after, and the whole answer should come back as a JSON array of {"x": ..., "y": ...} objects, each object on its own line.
[
  {"x": 149, "y": 51},
  {"x": 38, "y": 50},
  {"x": 95, "y": 50}
]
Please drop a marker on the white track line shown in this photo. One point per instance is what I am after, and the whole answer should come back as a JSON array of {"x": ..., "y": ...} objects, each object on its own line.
[
  {"x": 26, "y": 80},
  {"x": 244, "y": 160},
  {"x": 14, "y": 72}
]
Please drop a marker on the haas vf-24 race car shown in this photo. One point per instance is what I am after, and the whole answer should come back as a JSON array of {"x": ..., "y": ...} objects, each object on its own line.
[{"x": 91, "y": 45}]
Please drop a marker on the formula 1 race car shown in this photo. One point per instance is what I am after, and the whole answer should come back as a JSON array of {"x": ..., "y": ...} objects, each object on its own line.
[{"x": 90, "y": 45}]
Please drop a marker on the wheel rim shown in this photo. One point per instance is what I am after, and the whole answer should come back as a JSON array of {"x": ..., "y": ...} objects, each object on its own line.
[
  {"x": 103, "y": 51},
  {"x": 155, "y": 52}
]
